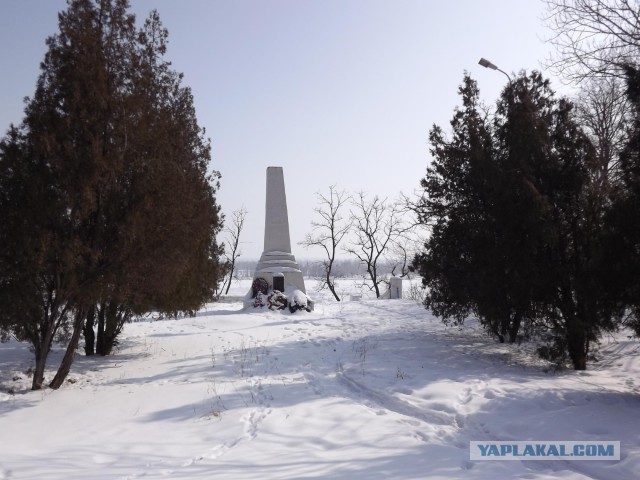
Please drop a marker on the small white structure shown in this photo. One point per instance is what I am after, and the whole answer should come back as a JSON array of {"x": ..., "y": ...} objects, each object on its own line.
[
  {"x": 395, "y": 287},
  {"x": 277, "y": 264}
]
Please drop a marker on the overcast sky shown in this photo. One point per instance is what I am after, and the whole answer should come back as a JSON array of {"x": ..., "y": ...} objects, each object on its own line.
[{"x": 337, "y": 92}]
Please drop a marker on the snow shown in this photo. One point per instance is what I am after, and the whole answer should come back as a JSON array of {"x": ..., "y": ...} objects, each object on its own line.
[
  {"x": 354, "y": 390},
  {"x": 297, "y": 297},
  {"x": 278, "y": 269}
]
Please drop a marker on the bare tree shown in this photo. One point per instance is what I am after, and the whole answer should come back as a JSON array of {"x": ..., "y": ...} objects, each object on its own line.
[
  {"x": 594, "y": 40},
  {"x": 400, "y": 256},
  {"x": 377, "y": 223},
  {"x": 412, "y": 233},
  {"x": 403, "y": 250},
  {"x": 328, "y": 232},
  {"x": 604, "y": 113},
  {"x": 593, "y": 37},
  {"x": 233, "y": 235}
]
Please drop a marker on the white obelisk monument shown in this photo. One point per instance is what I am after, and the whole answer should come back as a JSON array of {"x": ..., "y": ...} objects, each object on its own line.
[{"x": 277, "y": 264}]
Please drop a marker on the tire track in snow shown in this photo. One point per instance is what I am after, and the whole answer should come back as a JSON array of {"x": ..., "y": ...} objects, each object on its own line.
[{"x": 389, "y": 402}]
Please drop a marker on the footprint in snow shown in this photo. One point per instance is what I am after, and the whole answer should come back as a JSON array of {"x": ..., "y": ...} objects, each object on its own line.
[
  {"x": 631, "y": 385},
  {"x": 467, "y": 465},
  {"x": 413, "y": 423},
  {"x": 442, "y": 407},
  {"x": 219, "y": 450},
  {"x": 252, "y": 421},
  {"x": 490, "y": 394},
  {"x": 102, "y": 459},
  {"x": 461, "y": 444},
  {"x": 466, "y": 396},
  {"x": 191, "y": 461}
]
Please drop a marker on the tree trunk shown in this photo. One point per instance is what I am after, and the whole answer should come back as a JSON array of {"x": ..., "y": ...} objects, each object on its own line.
[
  {"x": 42, "y": 342},
  {"x": 578, "y": 346},
  {"x": 233, "y": 265},
  {"x": 41, "y": 354},
  {"x": 514, "y": 328},
  {"x": 100, "y": 336},
  {"x": 575, "y": 331},
  {"x": 112, "y": 321},
  {"x": 89, "y": 334},
  {"x": 331, "y": 287},
  {"x": 374, "y": 278},
  {"x": 333, "y": 290},
  {"x": 504, "y": 326},
  {"x": 41, "y": 361},
  {"x": 67, "y": 360}
]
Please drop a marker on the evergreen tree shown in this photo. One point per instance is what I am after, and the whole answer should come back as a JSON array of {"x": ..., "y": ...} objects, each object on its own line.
[
  {"x": 166, "y": 242},
  {"x": 623, "y": 220},
  {"x": 517, "y": 223},
  {"x": 463, "y": 265},
  {"x": 557, "y": 170},
  {"x": 104, "y": 186}
]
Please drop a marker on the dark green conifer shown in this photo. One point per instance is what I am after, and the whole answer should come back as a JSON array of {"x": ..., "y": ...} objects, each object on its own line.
[
  {"x": 109, "y": 207},
  {"x": 517, "y": 222}
]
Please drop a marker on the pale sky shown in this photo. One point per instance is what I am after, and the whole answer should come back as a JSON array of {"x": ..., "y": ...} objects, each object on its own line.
[{"x": 337, "y": 92}]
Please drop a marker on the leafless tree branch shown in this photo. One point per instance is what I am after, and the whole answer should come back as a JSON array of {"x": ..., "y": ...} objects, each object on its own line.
[
  {"x": 328, "y": 232},
  {"x": 604, "y": 112},
  {"x": 377, "y": 224},
  {"x": 233, "y": 235},
  {"x": 593, "y": 38}
]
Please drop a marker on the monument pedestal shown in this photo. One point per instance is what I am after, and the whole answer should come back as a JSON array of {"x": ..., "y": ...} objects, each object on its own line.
[{"x": 282, "y": 265}]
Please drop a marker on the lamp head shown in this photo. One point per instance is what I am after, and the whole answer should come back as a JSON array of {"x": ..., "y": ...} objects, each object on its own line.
[{"x": 487, "y": 64}]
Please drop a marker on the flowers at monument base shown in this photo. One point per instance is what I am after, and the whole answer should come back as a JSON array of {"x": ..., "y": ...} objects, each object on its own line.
[
  {"x": 277, "y": 300},
  {"x": 259, "y": 285}
]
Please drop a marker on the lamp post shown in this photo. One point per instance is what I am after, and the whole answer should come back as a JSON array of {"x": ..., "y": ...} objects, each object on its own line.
[{"x": 487, "y": 64}]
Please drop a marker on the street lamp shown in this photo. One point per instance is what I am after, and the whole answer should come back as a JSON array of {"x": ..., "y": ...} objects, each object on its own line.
[{"x": 487, "y": 64}]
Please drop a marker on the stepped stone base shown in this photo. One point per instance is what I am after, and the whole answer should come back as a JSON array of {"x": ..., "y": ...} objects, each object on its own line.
[{"x": 280, "y": 263}]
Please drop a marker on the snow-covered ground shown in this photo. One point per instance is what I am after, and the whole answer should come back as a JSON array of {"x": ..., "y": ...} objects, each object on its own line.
[{"x": 354, "y": 390}]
